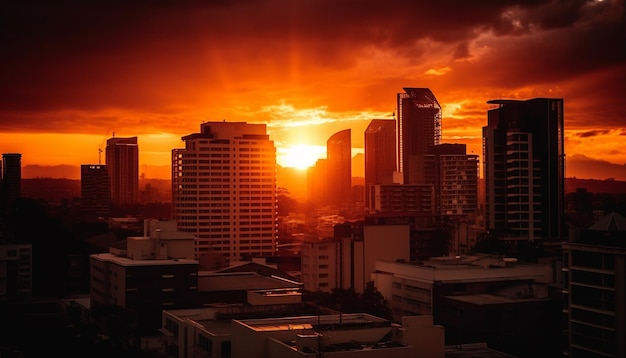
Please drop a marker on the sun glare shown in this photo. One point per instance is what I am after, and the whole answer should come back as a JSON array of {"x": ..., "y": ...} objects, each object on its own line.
[{"x": 300, "y": 156}]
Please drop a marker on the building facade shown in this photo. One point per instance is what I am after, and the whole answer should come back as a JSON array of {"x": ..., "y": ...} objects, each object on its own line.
[
  {"x": 594, "y": 304},
  {"x": 11, "y": 179},
  {"x": 224, "y": 190},
  {"x": 339, "y": 169},
  {"x": 380, "y": 154},
  {"x": 95, "y": 191},
  {"x": 419, "y": 129},
  {"x": 524, "y": 169},
  {"x": 454, "y": 176},
  {"x": 122, "y": 162}
]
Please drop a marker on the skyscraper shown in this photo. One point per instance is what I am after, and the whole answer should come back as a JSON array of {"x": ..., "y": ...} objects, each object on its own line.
[
  {"x": 11, "y": 180},
  {"x": 122, "y": 161},
  {"x": 524, "y": 169},
  {"x": 339, "y": 166},
  {"x": 380, "y": 154},
  {"x": 224, "y": 190},
  {"x": 419, "y": 129},
  {"x": 95, "y": 191}
]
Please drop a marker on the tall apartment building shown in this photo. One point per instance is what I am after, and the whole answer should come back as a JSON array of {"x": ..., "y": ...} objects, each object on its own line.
[
  {"x": 524, "y": 169},
  {"x": 95, "y": 191},
  {"x": 419, "y": 129},
  {"x": 11, "y": 179},
  {"x": 594, "y": 294},
  {"x": 224, "y": 190},
  {"x": 380, "y": 154},
  {"x": 122, "y": 161},
  {"x": 16, "y": 269},
  {"x": 454, "y": 175},
  {"x": 339, "y": 166}
]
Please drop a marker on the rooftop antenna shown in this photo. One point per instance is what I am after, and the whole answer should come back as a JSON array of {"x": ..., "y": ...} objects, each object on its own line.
[{"x": 102, "y": 145}]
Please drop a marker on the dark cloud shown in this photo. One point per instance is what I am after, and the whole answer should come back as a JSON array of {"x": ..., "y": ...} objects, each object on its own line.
[
  {"x": 592, "y": 133},
  {"x": 158, "y": 56}
]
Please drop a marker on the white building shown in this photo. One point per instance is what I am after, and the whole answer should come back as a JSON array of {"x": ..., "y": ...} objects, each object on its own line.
[{"x": 224, "y": 190}]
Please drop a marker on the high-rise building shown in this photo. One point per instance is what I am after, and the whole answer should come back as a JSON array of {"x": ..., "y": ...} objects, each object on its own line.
[
  {"x": 419, "y": 129},
  {"x": 454, "y": 175},
  {"x": 339, "y": 161},
  {"x": 122, "y": 161},
  {"x": 224, "y": 190},
  {"x": 95, "y": 191},
  {"x": 524, "y": 165},
  {"x": 380, "y": 154},
  {"x": 594, "y": 294},
  {"x": 11, "y": 180}
]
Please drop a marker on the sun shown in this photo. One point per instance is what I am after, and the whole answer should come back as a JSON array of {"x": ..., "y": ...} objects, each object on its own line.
[{"x": 300, "y": 156}]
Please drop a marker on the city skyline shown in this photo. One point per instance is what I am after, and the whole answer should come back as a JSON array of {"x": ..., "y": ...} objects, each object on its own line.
[{"x": 73, "y": 76}]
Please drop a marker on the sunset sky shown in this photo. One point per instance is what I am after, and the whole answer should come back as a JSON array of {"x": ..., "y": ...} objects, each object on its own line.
[{"x": 74, "y": 72}]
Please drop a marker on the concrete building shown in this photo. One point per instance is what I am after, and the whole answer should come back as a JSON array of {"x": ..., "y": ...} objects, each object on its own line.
[
  {"x": 347, "y": 260},
  {"x": 509, "y": 305},
  {"x": 402, "y": 198},
  {"x": 454, "y": 175},
  {"x": 524, "y": 170},
  {"x": 224, "y": 190},
  {"x": 155, "y": 272},
  {"x": 16, "y": 269},
  {"x": 122, "y": 162},
  {"x": 594, "y": 273},
  {"x": 217, "y": 332},
  {"x": 95, "y": 191}
]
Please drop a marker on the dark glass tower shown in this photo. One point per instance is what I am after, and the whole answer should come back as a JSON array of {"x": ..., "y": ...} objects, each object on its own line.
[
  {"x": 122, "y": 161},
  {"x": 380, "y": 154},
  {"x": 339, "y": 166},
  {"x": 524, "y": 169},
  {"x": 419, "y": 129}
]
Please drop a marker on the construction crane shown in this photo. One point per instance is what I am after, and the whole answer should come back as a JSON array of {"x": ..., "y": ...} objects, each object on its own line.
[{"x": 102, "y": 145}]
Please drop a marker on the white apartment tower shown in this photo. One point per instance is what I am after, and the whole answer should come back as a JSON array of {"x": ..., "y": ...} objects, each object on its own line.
[{"x": 224, "y": 190}]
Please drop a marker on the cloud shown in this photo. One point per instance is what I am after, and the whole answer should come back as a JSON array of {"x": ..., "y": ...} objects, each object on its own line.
[{"x": 592, "y": 133}]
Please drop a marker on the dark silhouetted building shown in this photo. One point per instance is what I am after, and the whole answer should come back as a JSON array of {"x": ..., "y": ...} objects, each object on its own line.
[
  {"x": 524, "y": 169},
  {"x": 339, "y": 166},
  {"x": 594, "y": 293},
  {"x": 95, "y": 191},
  {"x": 380, "y": 154},
  {"x": 419, "y": 129},
  {"x": 122, "y": 161},
  {"x": 11, "y": 180}
]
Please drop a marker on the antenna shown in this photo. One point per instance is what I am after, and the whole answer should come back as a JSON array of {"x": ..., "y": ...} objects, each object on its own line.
[{"x": 101, "y": 145}]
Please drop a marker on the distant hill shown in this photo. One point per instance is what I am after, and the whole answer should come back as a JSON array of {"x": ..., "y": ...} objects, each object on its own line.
[{"x": 608, "y": 186}]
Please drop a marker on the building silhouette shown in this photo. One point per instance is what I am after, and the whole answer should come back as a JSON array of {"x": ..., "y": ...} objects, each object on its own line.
[
  {"x": 224, "y": 190},
  {"x": 419, "y": 129},
  {"x": 122, "y": 161},
  {"x": 594, "y": 294},
  {"x": 11, "y": 179},
  {"x": 524, "y": 164},
  {"x": 380, "y": 154},
  {"x": 339, "y": 166},
  {"x": 95, "y": 191}
]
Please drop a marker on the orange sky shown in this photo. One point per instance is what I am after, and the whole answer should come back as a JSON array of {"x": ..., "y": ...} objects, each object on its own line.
[{"x": 74, "y": 72}]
